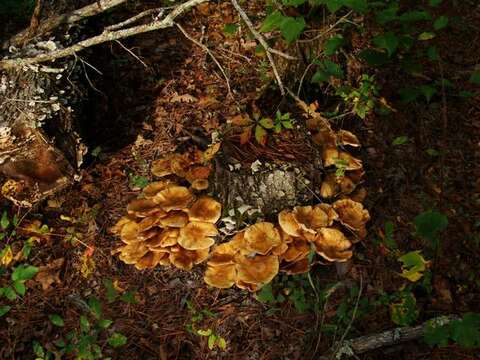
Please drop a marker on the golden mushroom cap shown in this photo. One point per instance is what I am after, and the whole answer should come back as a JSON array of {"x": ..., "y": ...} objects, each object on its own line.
[
  {"x": 297, "y": 250},
  {"x": 149, "y": 260},
  {"x": 130, "y": 233},
  {"x": 155, "y": 187},
  {"x": 351, "y": 163},
  {"x": 148, "y": 222},
  {"x": 163, "y": 239},
  {"x": 345, "y": 137},
  {"x": 142, "y": 207},
  {"x": 298, "y": 267},
  {"x": 330, "y": 156},
  {"x": 325, "y": 138},
  {"x": 288, "y": 223},
  {"x": 197, "y": 235},
  {"x": 329, "y": 210},
  {"x": 262, "y": 237},
  {"x": 162, "y": 167},
  {"x": 311, "y": 218},
  {"x": 198, "y": 173},
  {"x": 258, "y": 270},
  {"x": 224, "y": 254},
  {"x": 131, "y": 253},
  {"x": 200, "y": 184},
  {"x": 220, "y": 276},
  {"x": 280, "y": 249},
  {"x": 185, "y": 259},
  {"x": 174, "y": 198},
  {"x": 351, "y": 213},
  {"x": 175, "y": 219},
  {"x": 205, "y": 209},
  {"x": 179, "y": 163},
  {"x": 332, "y": 244},
  {"x": 117, "y": 228},
  {"x": 330, "y": 186}
]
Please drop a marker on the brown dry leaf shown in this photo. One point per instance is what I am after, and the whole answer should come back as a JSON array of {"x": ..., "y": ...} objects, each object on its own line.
[
  {"x": 209, "y": 154},
  {"x": 246, "y": 135},
  {"x": 240, "y": 120},
  {"x": 49, "y": 274},
  {"x": 186, "y": 98}
]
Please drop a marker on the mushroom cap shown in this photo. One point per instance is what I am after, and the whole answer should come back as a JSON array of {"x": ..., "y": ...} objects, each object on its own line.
[
  {"x": 130, "y": 233},
  {"x": 332, "y": 244},
  {"x": 205, "y": 209},
  {"x": 175, "y": 219},
  {"x": 162, "y": 167},
  {"x": 280, "y": 249},
  {"x": 148, "y": 223},
  {"x": 247, "y": 286},
  {"x": 131, "y": 253},
  {"x": 149, "y": 260},
  {"x": 223, "y": 254},
  {"x": 200, "y": 184},
  {"x": 198, "y": 173},
  {"x": 288, "y": 223},
  {"x": 142, "y": 207},
  {"x": 310, "y": 217},
  {"x": 220, "y": 276},
  {"x": 117, "y": 228},
  {"x": 173, "y": 198},
  {"x": 351, "y": 213},
  {"x": 329, "y": 210},
  {"x": 359, "y": 194},
  {"x": 179, "y": 163},
  {"x": 185, "y": 259},
  {"x": 352, "y": 163},
  {"x": 345, "y": 137},
  {"x": 330, "y": 156},
  {"x": 297, "y": 250},
  {"x": 197, "y": 235},
  {"x": 325, "y": 137},
  {"x": 259, "y": 270},
  {"x": 298, "y": 267},
  {"x": 262, "y": 237},
  {"x": 330, "y": 186},
  {"x": 153, "y": 188},
  {"x": 163, "y": 239}
]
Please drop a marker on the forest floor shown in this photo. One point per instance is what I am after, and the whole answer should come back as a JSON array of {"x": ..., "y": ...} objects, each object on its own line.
[{"x": 140, "y": 110}]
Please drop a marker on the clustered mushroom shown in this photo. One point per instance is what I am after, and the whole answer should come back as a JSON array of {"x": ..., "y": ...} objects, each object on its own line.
[
  {"x": 168, "y": 225},
  {"x": 256, "y": 255}
]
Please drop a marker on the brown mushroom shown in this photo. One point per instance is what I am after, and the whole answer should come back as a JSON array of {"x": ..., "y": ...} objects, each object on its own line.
[
  {"x": 288, "y": 223},
  {"x": 130, "y": 233},
  {"x": 205, "y": 209},
  {"x": 298, "y": 267},
  {"x": 351, "y": 163},
  {"x": 162, "y": 167},
  {"x": 332, "y": 244},
  {"x": 262, "y": 237},
  {"x": 297, "y": 250},
  {"x": 131, "y": 253},
  {"x": 155, "y": 187},
  {"x": 220, "y": 276},
  {"x": 351, "y": 213},
  {"x": 142, "y": 207},
  {"x": 345, "y": 137},
  {"x": 185, "y": 259},
  {"x": 175, "y": 219},
  {"x": 258, "y": 270},
  {"x": 117, "y": 228},
  {"x": 149, "y": 260},
  {"x": 174, "y": 198},
  {"x": 163, "y": 239},
  {"x": 200, "y": 184},
  {"x": 197, "y": 235}
]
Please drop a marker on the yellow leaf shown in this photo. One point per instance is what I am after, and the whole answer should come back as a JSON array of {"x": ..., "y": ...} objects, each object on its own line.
[
  {"x": 209, "y": 154},
  {"x": 6, "y": 256},
  {"x": 88, "y": 265}
]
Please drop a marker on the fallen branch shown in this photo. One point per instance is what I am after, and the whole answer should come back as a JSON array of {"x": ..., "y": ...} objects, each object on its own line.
[
  {"x": 69, "y": 18},
  {"x": 263, "y": 42},
  {"x": 106, "y": 36},
  {"x": 209, "y": 52},
  {"x": 395, "y": 336}
]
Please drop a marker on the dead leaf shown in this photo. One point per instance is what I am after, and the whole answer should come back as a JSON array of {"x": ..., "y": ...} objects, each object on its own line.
[
  {"x": 209, "y": 154},
  {"x": 183, "y": 98},
  {"x": 240, "y": 120},
  {"x": 246, "y": 135},
  {"x": 49, "y": 274}
]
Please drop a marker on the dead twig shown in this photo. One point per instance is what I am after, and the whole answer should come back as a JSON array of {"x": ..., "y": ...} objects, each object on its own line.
[
  {"x": 263, "y": 42},
  {"x": 157, "y": 11},
  {"x": 68, "y": 18},
  {"x": 209, "y": 52},
  {"x": 106, "y": 36}
]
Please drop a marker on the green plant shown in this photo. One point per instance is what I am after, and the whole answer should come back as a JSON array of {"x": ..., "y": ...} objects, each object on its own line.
[
  {"x": 414, "y": 266},
  {"x": 363, "y": 99},
  {"x": 277, "y": 124},
  {"x": 404, "y": 310},
  {"x": 464, "y": 332},
  {"x": 18, "y": 277},
  {"x": 112, "y": 294},
  {"x": 429, "y": 224},
  {"x": 197, "y": 317}
]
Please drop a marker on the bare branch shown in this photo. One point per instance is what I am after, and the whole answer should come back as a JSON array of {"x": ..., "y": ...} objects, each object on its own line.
[
  {"x": 134, "y": 19},
  {"x": 69, "y": 18},
  {"x": 209, "y": 52},
  {"x": 106, "y": 36}
]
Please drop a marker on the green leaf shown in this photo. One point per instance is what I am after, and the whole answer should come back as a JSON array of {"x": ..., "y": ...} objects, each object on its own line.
[
  {"x": 4, "y": 222},
  {"x": 434, "y": 3},
  {"x": 387, "y": 15},
  {"x": 4, "y": 309},
  {"x": 294, "y": 3},
  {"x": 333, "y": 44},
  {"x": 475, "y": 77},
  {"x": 466, "y": 332},
  {"x": 388, "y": 41},
  {"x": 433, "y": 152},
  {"x": 9, "y": 293},
  {"x": 222, "y": 344},
  {"x": 230, "y": 29},
  {"x": 415, "y": 16},
  {"x": 111, "y": 292},
  {"x": 426, "y": 35},
  {"x": 428, "y": 91},
  {"x": 117, "y": 340},
  {"x": 19, "y": 287},
  {"x": 287, "y": 124},
  {"x": 413, "y": 266},
  {"x": 319, "y": 77},
  {"x": 334, "y": 5},
  {"x": 95, "y": 307},
  {"x": 212, "y": 339},
  {"x": 56, "y": 320},
  {"x": 260, "y": 135},
  {"x": 432, "y": 53},
  {"x": 374, "y": 57},
  {"x": 291, "y": 28},
  {"x": 24, "y": 272},
  {"x": 333, "y": 69},
  {"x": 84, "y": 324},
  {"x": 104, "y": 323},
  {"x": 437, "y": 335},
  {"x": 360, "y": 6},
  {"x": 265, "y": 295},
  {"x": 409, "y": 94},
  {"x": 38, "y": 349},
  {"x": 440, "y": 23},
  {"x": 137, "y": 181},
  {"x": 400, "y": 140},
  {"x": 96, "y": 152},
  {"x": 429, "y": 223},
  {"x": 405, "y": 311},
  {"x": 389, "y": 239},
  {"x": 272, "y": 21},
  {"x": 129, "y": 297},
  {"x": 267, "y": 123}
]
